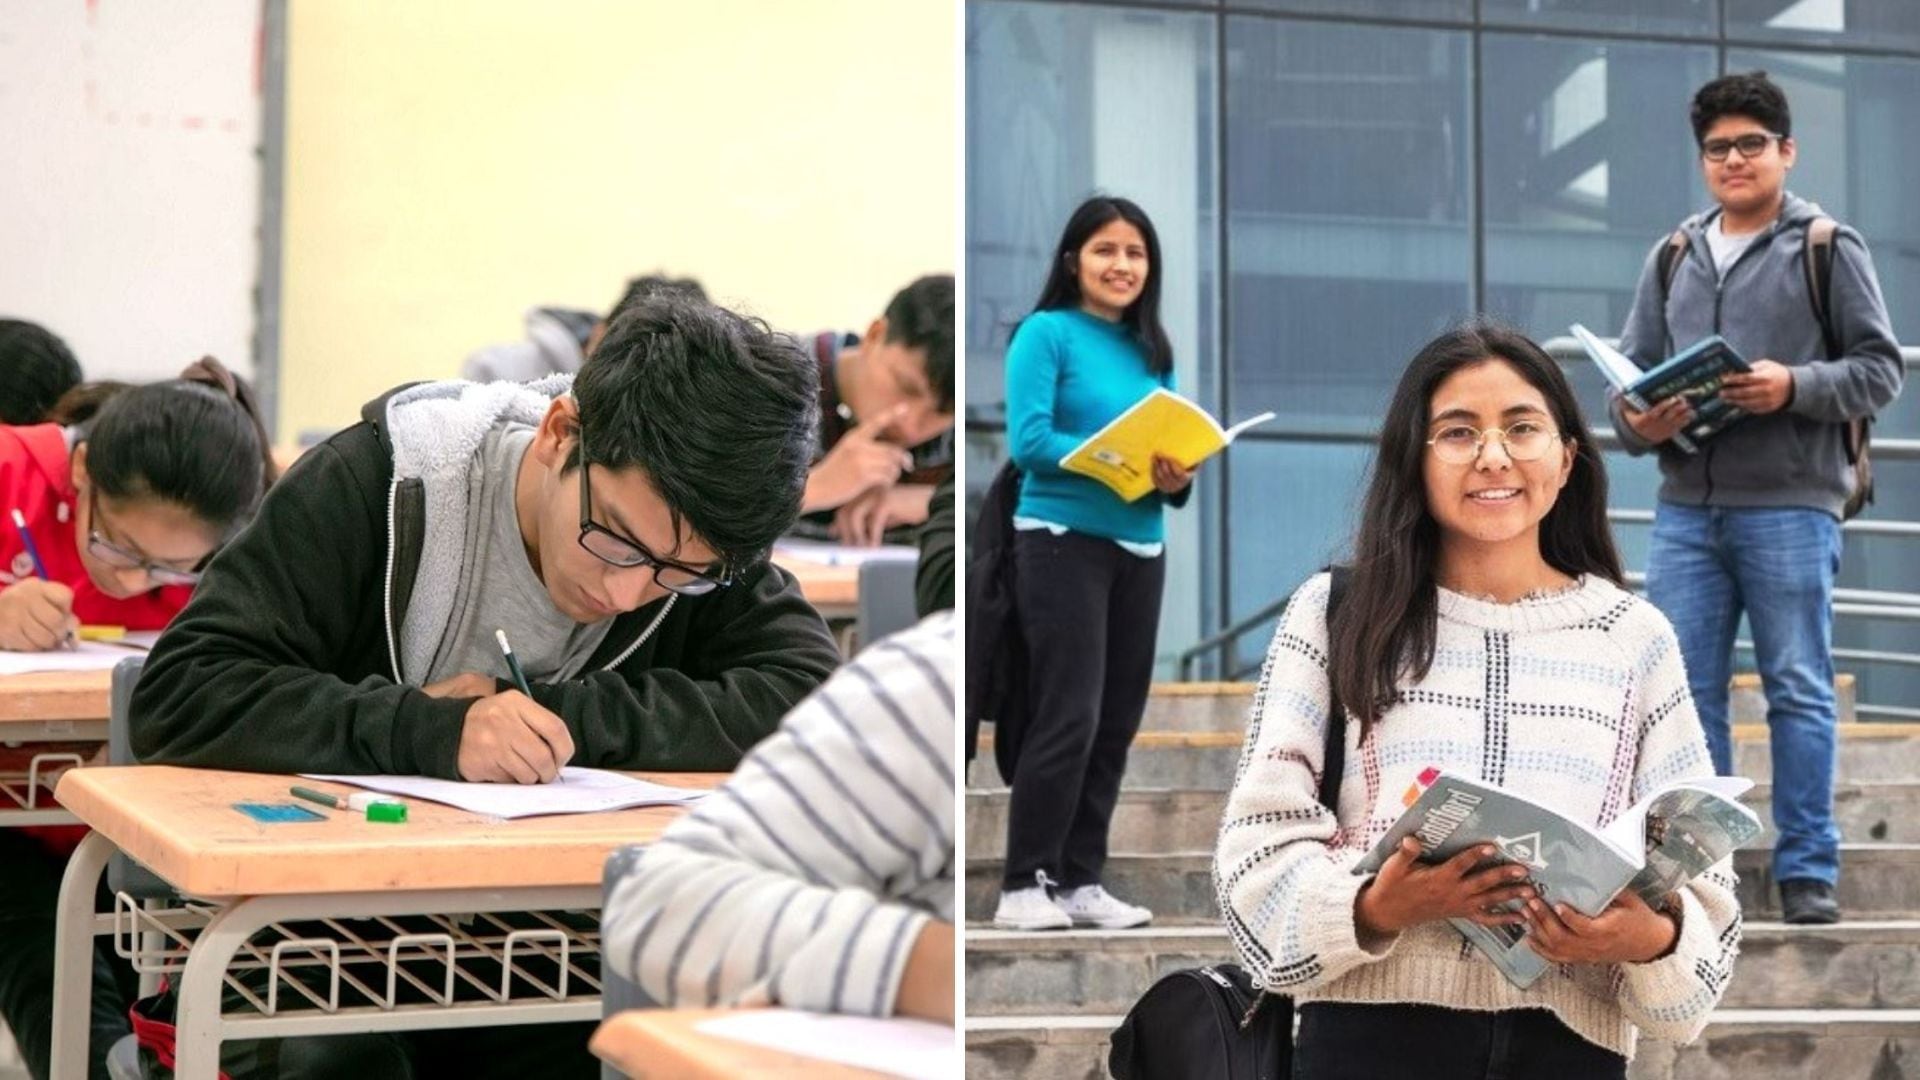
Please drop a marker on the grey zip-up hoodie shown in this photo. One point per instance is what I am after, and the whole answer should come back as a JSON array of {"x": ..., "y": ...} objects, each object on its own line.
[{"x": 1797, "y": 456}]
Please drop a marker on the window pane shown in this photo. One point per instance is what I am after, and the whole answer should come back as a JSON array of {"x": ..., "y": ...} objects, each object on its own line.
[
  {"x": 1348, "y": 198},
  {"x": 1064, "y": 101},
  {"x": 1688, "y": 17},
  {"x": 1589, "y": 162},
  {"x": 1853, "y": 127},
  {"x": 1443, "y": 10},
  {"x": 1887, "y": 24},
  {"x": 1294, "y": 508}
]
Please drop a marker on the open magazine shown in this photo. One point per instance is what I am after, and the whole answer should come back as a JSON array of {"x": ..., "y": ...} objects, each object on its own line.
[
  {"x": 1120, "y": 455},
  {"x": 1694, "y": 372},
  {"x": 1654, "y": 847}
]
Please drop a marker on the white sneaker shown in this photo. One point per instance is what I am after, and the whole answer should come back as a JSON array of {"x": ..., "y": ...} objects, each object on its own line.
[
  {"x": 1091, "y": 905},
  {"x": 1029, "y": 909}
]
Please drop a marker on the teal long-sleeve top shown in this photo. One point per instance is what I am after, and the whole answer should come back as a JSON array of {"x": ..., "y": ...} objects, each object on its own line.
[{"x": 1069, "y": 374}]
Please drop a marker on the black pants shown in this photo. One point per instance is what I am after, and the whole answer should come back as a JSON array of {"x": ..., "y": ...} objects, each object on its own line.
[
  {"x": 1380, "y": 1042},
  {"x": 1090, "y": 611},
  {"x": 29, "y": 902}
]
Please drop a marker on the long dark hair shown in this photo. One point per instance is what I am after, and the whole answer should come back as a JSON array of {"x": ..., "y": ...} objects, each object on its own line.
[
  {"x": 1386, "y": 625},
  {"x": 197, "y": 441},
  {"x": 1062, "y": 289}
]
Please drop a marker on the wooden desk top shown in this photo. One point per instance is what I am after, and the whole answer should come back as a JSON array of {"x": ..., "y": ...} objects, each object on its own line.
[
  {"x": 55, "y": 695},
  {"x": 650, "y": 1043},
  {"x": 181, "y": 823},
  {"x": 825, "y": 586}
]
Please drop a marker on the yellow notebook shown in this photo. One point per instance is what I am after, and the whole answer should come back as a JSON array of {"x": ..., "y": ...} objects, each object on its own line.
[{"x": 1120, "y": 455}]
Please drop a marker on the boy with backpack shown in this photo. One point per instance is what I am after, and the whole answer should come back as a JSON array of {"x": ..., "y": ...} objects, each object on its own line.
[{"x": 1751, "y": 521}]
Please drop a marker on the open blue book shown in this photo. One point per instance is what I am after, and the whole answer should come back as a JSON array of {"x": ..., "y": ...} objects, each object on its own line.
[
  {"x": 1695, "y": 372},
  {"x": 1655, "y": 846}
]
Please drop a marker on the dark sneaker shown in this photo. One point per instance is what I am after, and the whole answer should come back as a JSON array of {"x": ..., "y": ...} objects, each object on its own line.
[{"x": 1805, "y": 902}]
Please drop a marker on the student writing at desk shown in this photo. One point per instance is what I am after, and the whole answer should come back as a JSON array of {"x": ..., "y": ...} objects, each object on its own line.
[
  {"x": 120, "y": 509},
  {"x": 614, "y": 524},
  {"x": 822, "y": 877}
]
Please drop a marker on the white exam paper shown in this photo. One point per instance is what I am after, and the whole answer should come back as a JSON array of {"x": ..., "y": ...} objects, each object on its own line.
[
  {"x": 817, "y": 551},
  {"x": 575, "y": 791},
  {"x": 897, "y": 1046},
  {"x": 85, "y": 656}
]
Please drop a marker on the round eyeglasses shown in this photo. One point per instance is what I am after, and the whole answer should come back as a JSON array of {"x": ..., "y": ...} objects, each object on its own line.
[{"x": 1523, "y": 440}]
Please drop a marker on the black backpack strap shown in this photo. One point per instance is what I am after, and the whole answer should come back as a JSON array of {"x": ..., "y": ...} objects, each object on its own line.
[{"x": 1334, "y": 758}]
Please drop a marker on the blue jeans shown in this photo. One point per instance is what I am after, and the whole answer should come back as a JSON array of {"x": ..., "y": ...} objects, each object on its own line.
[{"x": 1707, "y": 565}]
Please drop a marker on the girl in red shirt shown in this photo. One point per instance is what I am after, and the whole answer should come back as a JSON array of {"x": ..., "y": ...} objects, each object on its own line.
[
  {"x": 126, "y": 500},
  {"x": 126, "y": 506}
]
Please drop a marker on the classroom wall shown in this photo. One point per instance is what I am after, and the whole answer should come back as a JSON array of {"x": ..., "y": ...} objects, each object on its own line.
[{"x": 450, "y": 165}]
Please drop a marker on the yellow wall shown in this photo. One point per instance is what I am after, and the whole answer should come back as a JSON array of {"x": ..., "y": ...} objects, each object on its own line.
[{"x": 452, "y": 164}]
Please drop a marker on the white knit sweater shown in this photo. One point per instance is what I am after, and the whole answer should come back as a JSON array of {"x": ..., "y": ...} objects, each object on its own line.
[{"x": 1577, "y": 700}]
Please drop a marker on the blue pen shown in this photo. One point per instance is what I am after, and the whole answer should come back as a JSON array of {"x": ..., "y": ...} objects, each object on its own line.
[
  {"x": 26, "y": 538},
  {"x": 39, "y": 566}
]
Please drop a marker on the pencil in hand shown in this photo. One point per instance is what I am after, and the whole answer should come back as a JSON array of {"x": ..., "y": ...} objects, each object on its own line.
[{"x": 513, "y": 663}]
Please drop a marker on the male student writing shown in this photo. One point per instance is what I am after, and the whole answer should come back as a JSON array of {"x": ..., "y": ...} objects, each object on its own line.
[{"x": 613, "y": 524}]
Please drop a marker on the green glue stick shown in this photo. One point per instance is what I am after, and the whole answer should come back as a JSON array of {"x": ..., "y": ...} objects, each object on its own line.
[{"x": 388, "y": 812}]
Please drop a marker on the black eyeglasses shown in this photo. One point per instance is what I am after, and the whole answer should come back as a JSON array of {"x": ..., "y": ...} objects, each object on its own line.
[
  {"x": 616, "y": 550},
  {"x": 121, "y": 559},
  {"x": 1750, "y": 145}
]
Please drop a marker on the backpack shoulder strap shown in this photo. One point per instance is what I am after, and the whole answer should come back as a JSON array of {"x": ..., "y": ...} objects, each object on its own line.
[
  {"x": 1817, "y": 264},
  {"x": 1334, "y": 756},
  {"x": 1671, "y": 256}
]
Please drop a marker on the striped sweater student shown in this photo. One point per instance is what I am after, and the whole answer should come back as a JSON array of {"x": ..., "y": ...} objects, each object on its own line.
[
  {"x": 1576, "y": 699},
  {"x": 807, "y": 879}
]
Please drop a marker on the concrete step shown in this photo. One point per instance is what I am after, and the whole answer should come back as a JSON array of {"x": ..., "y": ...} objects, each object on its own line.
[
  {"x": 1877, "y": 881},
  {"x": 1739, "y": 1044},
  {"x": 1859, "y": 965},
  {"x": 1150, "y": 820},
  {"x": 1206, "y": 759},
  {"x": 1198, "y": 706},
  {"x": 1223, "y": 706}
]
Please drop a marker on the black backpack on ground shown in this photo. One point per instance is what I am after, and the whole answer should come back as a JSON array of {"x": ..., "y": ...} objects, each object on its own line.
[{"x": 1212, "y": 1023}]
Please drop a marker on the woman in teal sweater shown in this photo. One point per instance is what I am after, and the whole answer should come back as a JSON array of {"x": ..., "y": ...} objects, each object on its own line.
[{"x": 1088, "y": 567}]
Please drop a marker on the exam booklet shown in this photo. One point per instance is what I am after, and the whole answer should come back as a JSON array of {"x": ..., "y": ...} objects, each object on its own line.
[
  {"x": 1695, "y": 372},
  {"x": 1654, "y": 847},
  {"x": 1120, "y": 455}
]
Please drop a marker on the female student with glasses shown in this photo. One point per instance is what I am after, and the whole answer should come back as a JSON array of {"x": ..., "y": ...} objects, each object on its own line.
[
  {"x": 1485, "y": 631},
  {"x": 121, "y": 505},
  {"x": 1088, "y": 565}
]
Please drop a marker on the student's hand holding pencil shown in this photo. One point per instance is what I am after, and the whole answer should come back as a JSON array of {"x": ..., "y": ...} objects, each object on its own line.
[
  {"x": 36, "y": 616},
  {"x": 511, "y": 739}
]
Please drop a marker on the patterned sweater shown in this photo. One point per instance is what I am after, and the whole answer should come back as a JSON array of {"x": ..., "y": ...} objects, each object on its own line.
[
  {"x": 1577, "y": 700},
  {"x": 807, "y": 878}
]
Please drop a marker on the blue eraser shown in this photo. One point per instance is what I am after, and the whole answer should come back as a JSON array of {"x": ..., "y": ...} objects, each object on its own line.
[{"x": 277, "y": 813}]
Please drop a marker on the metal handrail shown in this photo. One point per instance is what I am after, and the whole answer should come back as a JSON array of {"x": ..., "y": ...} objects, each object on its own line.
[{"x": 987, "y": 418}]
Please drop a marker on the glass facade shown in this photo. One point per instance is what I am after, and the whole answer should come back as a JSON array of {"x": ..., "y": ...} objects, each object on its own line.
[{"x": 1343, "y": 180}]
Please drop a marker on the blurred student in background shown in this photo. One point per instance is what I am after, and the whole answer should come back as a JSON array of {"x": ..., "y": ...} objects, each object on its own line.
[{"x": 36, "y": 367}]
